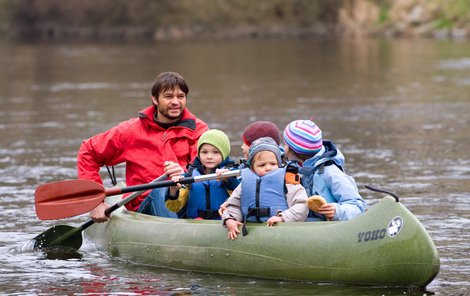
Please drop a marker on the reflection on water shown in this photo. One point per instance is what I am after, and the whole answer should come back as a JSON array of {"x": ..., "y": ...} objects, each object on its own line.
[{"x": 397, "y": 109}]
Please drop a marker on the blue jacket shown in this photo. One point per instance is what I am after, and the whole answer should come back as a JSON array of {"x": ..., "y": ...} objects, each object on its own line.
[{"x": 323, "y": 174}]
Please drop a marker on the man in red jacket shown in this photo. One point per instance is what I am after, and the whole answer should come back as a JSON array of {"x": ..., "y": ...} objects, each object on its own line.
[{"x": 162, "y": 139}]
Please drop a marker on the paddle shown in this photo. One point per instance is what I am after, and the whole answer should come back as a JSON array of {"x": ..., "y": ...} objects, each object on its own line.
[
  {"x": 70, "y": 237},
  {"x": 65, "y": 236},
  {"x": 69, "y": 198}
]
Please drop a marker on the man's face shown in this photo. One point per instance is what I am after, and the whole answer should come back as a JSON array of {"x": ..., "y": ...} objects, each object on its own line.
[{"x": 170, "y": 105}]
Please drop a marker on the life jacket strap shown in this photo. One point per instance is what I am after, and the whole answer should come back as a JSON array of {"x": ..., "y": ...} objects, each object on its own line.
[
  {"x": 258, "y": 212},
  {"x": 208, "y": 214}
]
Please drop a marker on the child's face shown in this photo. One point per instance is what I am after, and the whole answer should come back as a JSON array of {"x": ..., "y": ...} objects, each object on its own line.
[
  {"x": 246, "y": 150},
  {"x": 264, "y": 162},
  {"x": 287, "y": 152},
  {"x": 210, "y": 156}
]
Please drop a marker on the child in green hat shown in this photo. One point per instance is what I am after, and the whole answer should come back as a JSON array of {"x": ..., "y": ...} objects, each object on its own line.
[{"x": 203, "y": 199}]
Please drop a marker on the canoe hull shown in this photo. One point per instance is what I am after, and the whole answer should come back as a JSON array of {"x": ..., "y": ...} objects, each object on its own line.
[{"x": 367, "y": 250}]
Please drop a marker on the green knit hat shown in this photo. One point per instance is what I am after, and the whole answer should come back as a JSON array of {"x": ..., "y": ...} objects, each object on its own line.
[{"x": 216, "y": 138}]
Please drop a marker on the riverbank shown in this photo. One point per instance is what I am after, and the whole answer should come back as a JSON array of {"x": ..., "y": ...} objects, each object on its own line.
[
  {"x": 184, "y": 19},
  {"x": 406, "y": 18}
]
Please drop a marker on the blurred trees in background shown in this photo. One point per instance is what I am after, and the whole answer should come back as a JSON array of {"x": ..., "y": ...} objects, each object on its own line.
[
  {"x": 174, "y": 19},
  {"x": 164, "y": 18}
]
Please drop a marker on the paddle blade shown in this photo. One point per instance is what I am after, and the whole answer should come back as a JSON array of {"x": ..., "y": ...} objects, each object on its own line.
[
  {"x": 68, "y": 198},
  {"x": 59, "y": 237}
]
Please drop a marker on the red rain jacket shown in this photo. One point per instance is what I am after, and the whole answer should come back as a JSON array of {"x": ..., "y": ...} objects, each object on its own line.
[{"x": 144, "y": 146}]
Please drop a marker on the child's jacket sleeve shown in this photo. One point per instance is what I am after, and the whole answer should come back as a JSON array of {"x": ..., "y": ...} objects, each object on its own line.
[
  {"x": 176, "y": 205},
  {"x": 296, "y": 200},
  {"x": 233, "y": 210}
]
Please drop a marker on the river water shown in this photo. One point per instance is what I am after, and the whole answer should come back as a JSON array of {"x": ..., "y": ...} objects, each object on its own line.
[{"x": 398, "y": 110}]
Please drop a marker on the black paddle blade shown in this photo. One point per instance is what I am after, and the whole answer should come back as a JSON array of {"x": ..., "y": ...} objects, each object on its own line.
[
  {"x": 62, "y": 254},
  {"x": 59, "y": 236}
]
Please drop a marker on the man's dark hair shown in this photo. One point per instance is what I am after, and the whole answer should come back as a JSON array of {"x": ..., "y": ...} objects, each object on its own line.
[{"x": 168, "y": 81}]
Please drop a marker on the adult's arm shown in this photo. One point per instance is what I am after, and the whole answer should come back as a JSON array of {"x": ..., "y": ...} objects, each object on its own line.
[{"x": 99, "y": 150}]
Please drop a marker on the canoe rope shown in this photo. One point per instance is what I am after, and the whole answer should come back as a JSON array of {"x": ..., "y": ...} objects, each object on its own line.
[
  {"x": 397, "y": 199},
  {"x": 112, "y": 175}
]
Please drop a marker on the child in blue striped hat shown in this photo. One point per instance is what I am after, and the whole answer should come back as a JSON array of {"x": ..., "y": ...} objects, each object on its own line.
[{"x": 322, "y": 166}]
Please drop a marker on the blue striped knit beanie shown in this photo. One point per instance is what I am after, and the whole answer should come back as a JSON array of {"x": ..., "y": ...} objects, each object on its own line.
[{"x": 303, "y": 137}]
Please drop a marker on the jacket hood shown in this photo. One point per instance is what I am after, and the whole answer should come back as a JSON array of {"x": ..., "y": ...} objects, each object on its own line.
[{"x": 329, "y": 152}]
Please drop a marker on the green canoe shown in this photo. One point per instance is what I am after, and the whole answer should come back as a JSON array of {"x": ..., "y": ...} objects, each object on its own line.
[{"x": 385, "y": 246}]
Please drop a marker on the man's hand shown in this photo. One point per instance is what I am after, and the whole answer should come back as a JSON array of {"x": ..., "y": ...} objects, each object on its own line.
[
  {"x": 172, "y": 169},
  {"x": 98, "y": 214}
]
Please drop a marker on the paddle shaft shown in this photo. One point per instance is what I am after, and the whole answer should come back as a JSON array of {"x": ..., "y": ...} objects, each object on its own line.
[
  {"x": 122, "y": 202},
  {"x": 157, "y": 183},
  {"x": 153, "y": 185}
]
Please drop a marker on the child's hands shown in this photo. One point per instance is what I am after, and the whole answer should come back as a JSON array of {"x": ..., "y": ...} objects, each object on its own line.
[
  {"x": 219, "y": 172},
  {"x": 329, "y": 210},
  {"x": 232, "y": 227},
  {"x": 222, "y": 208},
  {"x": 176, "y": 179},
  {"x": 273, "y": 220},
  {"x": 174, "y": 189}
]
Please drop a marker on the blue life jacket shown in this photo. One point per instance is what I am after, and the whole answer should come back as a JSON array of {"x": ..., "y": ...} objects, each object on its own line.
[
  {"x": 205, "y": 198},
  {"x": 262, "y": 197}
]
